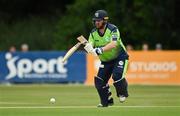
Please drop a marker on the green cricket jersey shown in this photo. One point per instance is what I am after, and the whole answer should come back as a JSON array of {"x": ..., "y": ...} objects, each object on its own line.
[{"x": 111, "y": 34}]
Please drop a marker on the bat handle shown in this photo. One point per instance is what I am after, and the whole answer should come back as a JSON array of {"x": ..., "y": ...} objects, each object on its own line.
[{"x": 78, "y": 44}]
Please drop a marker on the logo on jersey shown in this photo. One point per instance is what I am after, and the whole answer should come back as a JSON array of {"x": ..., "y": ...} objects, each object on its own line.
[
  {"x": 114, "y": 37},
  {"x": 120, "y": 64}
]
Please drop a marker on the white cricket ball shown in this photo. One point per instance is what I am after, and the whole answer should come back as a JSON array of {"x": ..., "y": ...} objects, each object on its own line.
[{"x": 52, "y": 100}]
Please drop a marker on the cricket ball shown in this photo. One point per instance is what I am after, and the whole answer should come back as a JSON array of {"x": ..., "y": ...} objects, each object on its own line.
[{"x": 52, "y": 100}]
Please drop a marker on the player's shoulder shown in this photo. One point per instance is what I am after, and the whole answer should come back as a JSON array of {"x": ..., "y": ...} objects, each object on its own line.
[
  {"x": 112, "y": 27},
  {"x": 93, "y": 30}
]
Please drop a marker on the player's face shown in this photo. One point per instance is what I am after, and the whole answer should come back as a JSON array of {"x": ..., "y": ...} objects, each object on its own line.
[{"x": 99, "y": 24}]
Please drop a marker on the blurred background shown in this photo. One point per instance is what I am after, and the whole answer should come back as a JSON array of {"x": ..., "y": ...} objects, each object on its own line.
[
  {"x": 47, "y": 25},
  {"x": 36, "y": 34}
]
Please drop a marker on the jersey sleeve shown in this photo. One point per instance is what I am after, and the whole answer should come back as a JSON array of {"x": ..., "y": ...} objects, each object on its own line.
[
  {"x": 115, "y": 35},
  {"x": 91, "y": 40}
]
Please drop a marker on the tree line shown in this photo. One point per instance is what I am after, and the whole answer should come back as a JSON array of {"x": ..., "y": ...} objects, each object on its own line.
[{"x": 55, "y": 24}]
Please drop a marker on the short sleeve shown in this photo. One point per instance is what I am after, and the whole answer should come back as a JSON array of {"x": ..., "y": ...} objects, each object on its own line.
[{"x": 91, "y": 39}]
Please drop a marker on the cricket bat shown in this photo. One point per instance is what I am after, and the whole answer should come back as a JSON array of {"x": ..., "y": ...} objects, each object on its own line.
[
  {"x": 71, "y": 51},
  {"x": 82, "y": 40}
]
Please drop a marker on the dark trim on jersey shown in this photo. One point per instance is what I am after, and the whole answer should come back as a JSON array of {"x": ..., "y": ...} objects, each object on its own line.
[
  {"x": 115, "y": 30},
  {"x": 102, "y": 34},
  {"x": 92, "y": 35},
  {"x": 112, "y": 27},
  {"x": 93, "y": 30}
]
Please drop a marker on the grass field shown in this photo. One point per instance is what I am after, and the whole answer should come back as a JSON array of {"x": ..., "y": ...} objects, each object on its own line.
[{"x": 79, "y": 100}]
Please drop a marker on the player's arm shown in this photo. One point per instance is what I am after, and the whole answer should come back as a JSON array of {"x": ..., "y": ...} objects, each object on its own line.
[
  {"x": 109, "y": 46},
  {"x": 89, "y": 46},
  {"x": 115, "y": 36}
]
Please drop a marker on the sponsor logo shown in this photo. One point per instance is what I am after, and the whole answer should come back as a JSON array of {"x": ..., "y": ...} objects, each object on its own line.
[
  {"x": 120, "y": 64},
  {"x": 37, "y": 68},
  {"x": 153, "y": 66}
]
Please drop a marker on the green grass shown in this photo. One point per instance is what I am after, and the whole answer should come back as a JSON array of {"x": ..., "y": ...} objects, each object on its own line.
[{"x": 79, "y": 100}]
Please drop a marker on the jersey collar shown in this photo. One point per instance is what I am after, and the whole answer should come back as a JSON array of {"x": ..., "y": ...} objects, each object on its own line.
[{"x": 102, "y": 34}]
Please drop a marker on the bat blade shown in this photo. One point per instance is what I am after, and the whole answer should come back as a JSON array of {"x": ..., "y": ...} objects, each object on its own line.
[
  {"x": 83, "y": 41},
  {"x": 71, "y": 51}
]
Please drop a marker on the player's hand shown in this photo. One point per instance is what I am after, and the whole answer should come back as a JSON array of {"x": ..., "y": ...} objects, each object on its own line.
[
  {"x": 88, "y": 47},
  {"x": 98, "y": 51}
]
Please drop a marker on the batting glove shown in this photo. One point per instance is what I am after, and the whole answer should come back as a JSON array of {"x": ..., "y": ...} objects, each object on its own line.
[{"x": 98, "y": 51}]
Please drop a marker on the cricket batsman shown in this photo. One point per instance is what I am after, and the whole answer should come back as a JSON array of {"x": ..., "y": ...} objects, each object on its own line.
[{"x": 105, "y": 41}]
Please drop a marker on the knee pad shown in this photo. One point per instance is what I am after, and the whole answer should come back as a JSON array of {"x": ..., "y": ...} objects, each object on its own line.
[
  {"x": 117, "y": 76},
  {"x": 103, "y": 90},
  {"x": 99, "y": 83},
  {"x": 121, "y": 87}
]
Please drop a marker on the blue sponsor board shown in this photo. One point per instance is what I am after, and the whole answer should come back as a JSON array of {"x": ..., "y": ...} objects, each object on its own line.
[{"x": 40, "y": 67}]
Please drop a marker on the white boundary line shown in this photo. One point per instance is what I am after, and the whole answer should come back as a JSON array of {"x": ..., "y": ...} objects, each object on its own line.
[
  {"x": 75, "y": 107},
  {"x": 17, "y": 103}
]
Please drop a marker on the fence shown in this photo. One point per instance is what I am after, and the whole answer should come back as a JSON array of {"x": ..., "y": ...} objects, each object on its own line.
[
  {"x": 41, "y": 67},
  {"x": 151, "y": 67}
]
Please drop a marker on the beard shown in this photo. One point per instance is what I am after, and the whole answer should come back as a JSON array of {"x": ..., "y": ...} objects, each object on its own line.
[{"x": 100, "y": 26}]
